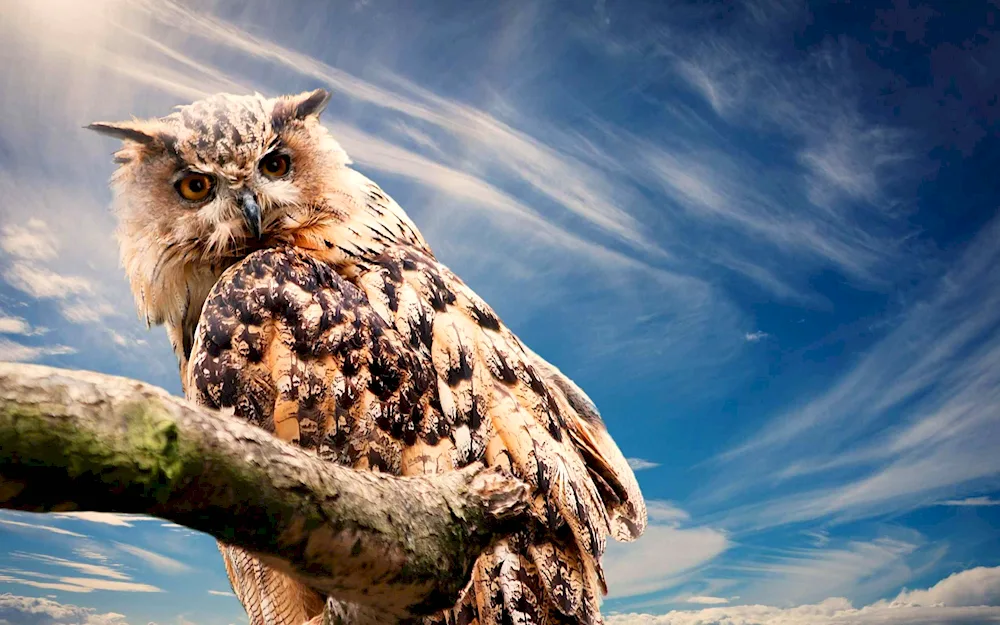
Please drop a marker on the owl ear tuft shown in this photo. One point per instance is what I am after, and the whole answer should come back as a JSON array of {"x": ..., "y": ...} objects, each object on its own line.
[
  {"x": 306, "y": 104},
  {"x": 126, "y": 131}
]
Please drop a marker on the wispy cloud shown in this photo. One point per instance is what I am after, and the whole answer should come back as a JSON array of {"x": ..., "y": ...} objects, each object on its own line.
[
  {"x": 971, "y": 501},
  {"x": 755, "y": 337},
  {"x": 14, "y": 325},
  {"x": 74, "y": 584},
  {"x": 935, "y": 377},
  {"x": 155, "y": 560},
  {"x": 641, "y": 464},
  {"x": 44, "y": 283},
  {"x": 35, "y": 526},
  {"x": 32, "y": 241},
  {"x": 98, "y": 576},
  {"x": 61, "y": 262},
  {"x": 807, "y": 575},
  {"x": 16, "y": 352},
  {"x": 834, "y": 197},
  {"x": 665, "y": 513},
  {"x": 106, "y": 518},
  {"x": 640, "y": 568},
  {"x": 816, "y": 101},
  {"x": 559, "y": 206},
  {"x": 18, "y": 326},
  {"x": 30, "y": 248},
  {"x": 83, "y": 567},
  {"x": 90, "y": 554},
  {"x": 705, "y": 600}
]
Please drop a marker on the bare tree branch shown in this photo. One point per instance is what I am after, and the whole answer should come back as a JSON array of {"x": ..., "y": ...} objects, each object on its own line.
[{"x": 72, "y": 440}]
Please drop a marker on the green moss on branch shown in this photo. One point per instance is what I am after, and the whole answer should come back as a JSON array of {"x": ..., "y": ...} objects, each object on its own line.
[{"x": 73, "y": 440}]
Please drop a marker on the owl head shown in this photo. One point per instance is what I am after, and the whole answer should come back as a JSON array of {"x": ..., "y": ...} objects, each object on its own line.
[{"x": 202, "y": 187}]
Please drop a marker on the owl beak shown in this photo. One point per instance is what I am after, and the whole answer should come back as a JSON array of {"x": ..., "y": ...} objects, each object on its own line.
[{"x": 251, "y": 212}]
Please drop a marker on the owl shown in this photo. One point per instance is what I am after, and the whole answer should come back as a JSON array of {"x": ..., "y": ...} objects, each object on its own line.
[{"x": 300, "y": 297}]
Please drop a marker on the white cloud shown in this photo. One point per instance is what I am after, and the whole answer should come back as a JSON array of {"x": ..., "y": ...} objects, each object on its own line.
[
  {"x": 37, "y": 526},
  {"x": 706, "y": 600},
  {"x": 968, "y": 597},
  {"x": 34, "y": 583},
  {"x": 820, "y": 538},
  {"x": 640, "y": 464},
  {"x": 18, "y": 610},
  {"x": 157, "y": 561},
  {"x": 79, "y": 299},
  {"x": 665, "y": 513},
  {"x": 755, "y": 337},
  {"x": 42, "y": 268},
  {"x": 88, "y": 584},
  {"x": 14, "y": 325},
  {"x": 759, "y": 227},
  {"x": 417, "y": 136},
  {"x": 44, "y": 283},
  {"x": 221, "y": 593},
  {"x": 123, "y": 340},
  {"x": 90, "y": 554},
  {"x": 791, "y": 576},
  {"x": 33, "y": 241},
  {"x": 971, "y": 501},
  {"x": 657, "y": 559},
  {"x": 88, "y": 568},
  {"x": 100, "y": 576},
  {"x": 660, "y": 556},
  {"x": 106, "y": 518},
  {"x": 75, "y": 584},
  {"x": 16, "y": 352},
  {"x": 971, "y": 587},
  {"x": 88, "y": 311}
]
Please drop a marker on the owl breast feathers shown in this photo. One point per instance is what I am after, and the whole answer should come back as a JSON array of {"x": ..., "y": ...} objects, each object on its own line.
[{"x": 405, "y": 370}]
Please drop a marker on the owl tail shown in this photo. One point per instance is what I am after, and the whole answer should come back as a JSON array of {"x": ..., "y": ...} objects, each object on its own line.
[
  {"x": 523, "y": 583},
  {"x": 269, "y": 597}
]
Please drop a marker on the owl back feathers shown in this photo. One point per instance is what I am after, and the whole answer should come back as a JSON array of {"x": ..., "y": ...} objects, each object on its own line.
[{"x": 405, "y": 370}]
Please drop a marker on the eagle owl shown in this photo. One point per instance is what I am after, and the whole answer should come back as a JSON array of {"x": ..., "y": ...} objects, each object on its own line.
[{"x": 299, "y": 296}]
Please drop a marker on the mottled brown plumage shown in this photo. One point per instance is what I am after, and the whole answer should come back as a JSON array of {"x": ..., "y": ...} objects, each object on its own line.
[{"x": 336, "y": 328}]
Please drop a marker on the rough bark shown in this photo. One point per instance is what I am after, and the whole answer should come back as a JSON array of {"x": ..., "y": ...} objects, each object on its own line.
[{"x": 72, "y": 440}]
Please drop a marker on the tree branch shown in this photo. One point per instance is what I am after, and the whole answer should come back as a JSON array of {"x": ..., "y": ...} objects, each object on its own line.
[{"x": 72, "y": 440}]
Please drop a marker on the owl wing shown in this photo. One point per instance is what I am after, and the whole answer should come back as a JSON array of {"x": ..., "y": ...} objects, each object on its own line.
[
  {"x": 406, "y": 371},
  {"x": 504, "y": 404},
  {"x": 608, "y": 468}
]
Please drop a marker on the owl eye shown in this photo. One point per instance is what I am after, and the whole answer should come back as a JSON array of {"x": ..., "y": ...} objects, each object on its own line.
[
  {"x": 275, "y": 165},
  {"x": 194, "y": 187}
]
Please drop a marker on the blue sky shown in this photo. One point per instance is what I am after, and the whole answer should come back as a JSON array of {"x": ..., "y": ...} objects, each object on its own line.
[{"x": 762, "y": 235}]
